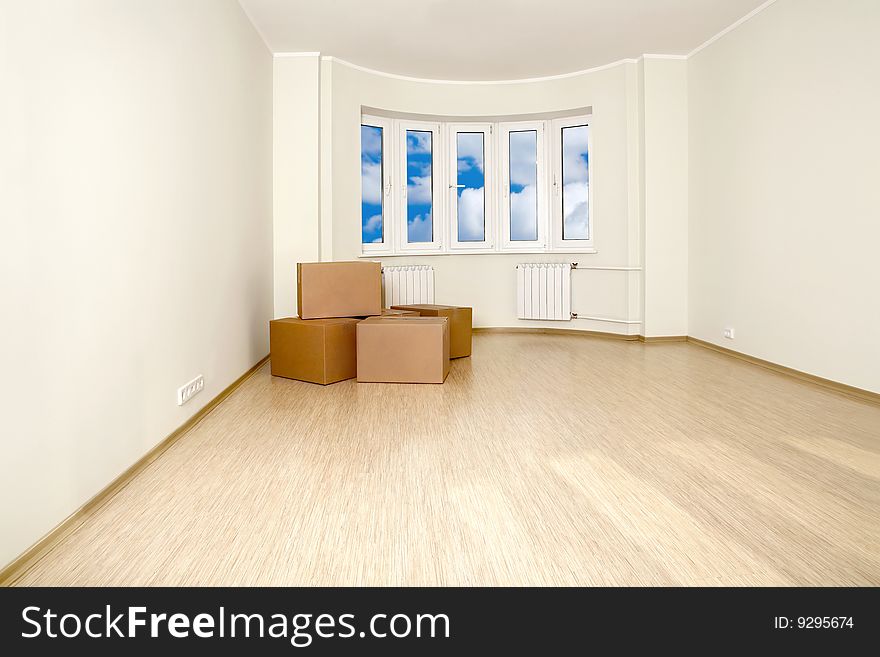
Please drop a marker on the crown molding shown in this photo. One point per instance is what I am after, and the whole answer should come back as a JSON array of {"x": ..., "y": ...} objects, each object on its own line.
[
  {"x": 409, "y": 78},
  {"x": 545, "y": 78},
  {"x": 256, "y": 27},
  {"x": 677, "y": 57},
  {"x": 281, "y": 55},
  {"x": 754, "y": 12}
]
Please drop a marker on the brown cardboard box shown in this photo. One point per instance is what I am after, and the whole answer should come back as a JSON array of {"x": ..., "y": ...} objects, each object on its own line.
[
  {"x": 338, "y": 289},
  {"x": 460, "y": 324},
  {"x": 316, "y": 350},
  {"x": 403, "y": 350},
  {"x": 395, "y": 312},
  {"x": 388, "y": 312}
]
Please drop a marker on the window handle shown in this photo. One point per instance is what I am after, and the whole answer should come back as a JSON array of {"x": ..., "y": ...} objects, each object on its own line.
[{"x": 457, "y": 186}]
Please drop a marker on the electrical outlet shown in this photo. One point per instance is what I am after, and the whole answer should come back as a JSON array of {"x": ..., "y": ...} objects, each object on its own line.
[
  {"x": 188, "y": 390},
  {"x": 728, "y": 333}
]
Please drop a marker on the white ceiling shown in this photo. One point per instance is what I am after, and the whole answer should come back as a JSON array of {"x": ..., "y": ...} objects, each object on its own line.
[{"x": 490, "y": 39}]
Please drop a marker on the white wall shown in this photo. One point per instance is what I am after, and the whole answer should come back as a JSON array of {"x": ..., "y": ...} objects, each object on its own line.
[
  {"x": 784, "y": 193},
  {"x": 295, "y": 172},
  {"x": 664, "y": 211},
  {"x": 487, "y": 282},
  {"x": 137, "y": 235}
]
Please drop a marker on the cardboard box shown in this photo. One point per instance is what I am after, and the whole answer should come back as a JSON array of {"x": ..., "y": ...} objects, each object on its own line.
[
  {"x": 315, "y": 350},
  {"x": 388, "y": 312},
  {"x": 338, "y": 289},
  {"x": 460, "y": 324},
  {"x": 395, "y": 312},
  {"x": 403, "y": 350}
]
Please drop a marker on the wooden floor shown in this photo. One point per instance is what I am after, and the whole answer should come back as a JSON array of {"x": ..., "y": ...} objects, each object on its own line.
[{"x": 544, "y": 459}]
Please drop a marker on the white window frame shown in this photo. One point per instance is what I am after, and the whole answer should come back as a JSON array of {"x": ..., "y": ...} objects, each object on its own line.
[
  {"x": 387, "y": 246},
  {"x": 438, "y": 207},
  {"x": 489, "y": 188},
  {"x": 522, "y": 246},
  {"x": 556, "y": 217},
  {"x": 497, "y": 186}
]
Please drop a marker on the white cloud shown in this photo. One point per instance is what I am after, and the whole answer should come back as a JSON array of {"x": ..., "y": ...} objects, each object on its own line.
[
  {"x": 378, "y": 240},
  {"x": 418, "y": 190},
  {"x": 371, "y": 182},
  {"x": 471, "y": 219},
  {"x": 373, "y": 223},
  {"x": 576, "y": 210},
  {"x": 523, "y": 151},
  {"x": 470, "y": 150},
  {"x": 418, "y": 142},
  {"x": 524, "y": 214},
  {"x": 574, "y": 148},
  {"x": 420, "y": 229},
  {"x": 371, "y": 142}
]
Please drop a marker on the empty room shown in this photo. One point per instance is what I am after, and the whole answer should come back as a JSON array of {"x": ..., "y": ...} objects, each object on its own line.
[{"x": 435, "y": 296}]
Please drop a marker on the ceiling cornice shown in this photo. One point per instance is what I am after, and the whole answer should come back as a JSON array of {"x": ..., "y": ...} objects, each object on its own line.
[{"x": 545, "y": 78}]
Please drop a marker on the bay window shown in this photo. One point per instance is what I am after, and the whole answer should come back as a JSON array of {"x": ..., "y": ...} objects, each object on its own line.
[{"x": 471, "y": 187}]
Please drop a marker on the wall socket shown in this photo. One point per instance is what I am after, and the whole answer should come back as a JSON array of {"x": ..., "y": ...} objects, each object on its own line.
[
  {"x": 188, "y": 390},
  {"x": 729, "y": 333}
]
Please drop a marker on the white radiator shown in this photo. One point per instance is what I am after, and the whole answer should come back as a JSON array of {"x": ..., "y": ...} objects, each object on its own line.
[
  {"x": 408, "y": 284},
  {"x": 543, "y": 291}
]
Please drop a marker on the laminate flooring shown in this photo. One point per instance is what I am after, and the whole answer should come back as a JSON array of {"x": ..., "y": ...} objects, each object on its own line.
[{"x": 543, "y": 460}]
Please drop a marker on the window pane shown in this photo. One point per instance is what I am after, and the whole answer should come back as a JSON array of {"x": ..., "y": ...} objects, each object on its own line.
[
  {"x": 419, "y": 186},
  {"x": 471, "y": 187},
  {"x": 524, "y": 185},
  {"x": 575, "y": 183},
  {"x": 372, "y": 198}
]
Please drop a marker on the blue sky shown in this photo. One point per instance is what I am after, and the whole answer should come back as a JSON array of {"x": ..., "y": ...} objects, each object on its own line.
[
  {"x": 371, "y": 184},
  {"x": 419, "y": 187},
  {"x": 471, "y": 198}
]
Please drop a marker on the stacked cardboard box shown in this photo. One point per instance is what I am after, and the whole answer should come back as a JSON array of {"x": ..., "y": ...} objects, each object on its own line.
[
  {"x": 403, "y": 350},
  {"x": 460, "y": 320},
  {"x": 316, "y": 350},
  {"x": 338, "y": 289},
  {"x": 343, "y": 331},
  {"x": 396, "y": 312}
]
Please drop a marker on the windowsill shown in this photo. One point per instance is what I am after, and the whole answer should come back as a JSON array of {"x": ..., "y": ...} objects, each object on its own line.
[{"x": 476, "y": 252}]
